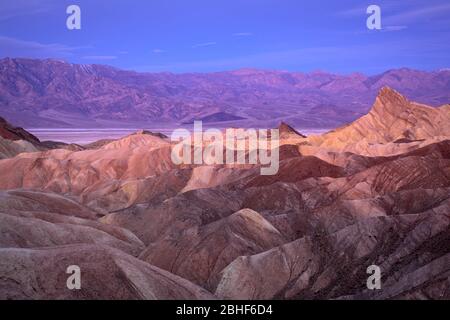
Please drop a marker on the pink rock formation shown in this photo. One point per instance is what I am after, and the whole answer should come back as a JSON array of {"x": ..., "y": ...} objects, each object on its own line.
[{"x": 376, "y": 191}]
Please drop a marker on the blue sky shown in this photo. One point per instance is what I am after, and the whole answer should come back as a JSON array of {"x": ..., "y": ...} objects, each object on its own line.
[{"x": 216, "y": 35}]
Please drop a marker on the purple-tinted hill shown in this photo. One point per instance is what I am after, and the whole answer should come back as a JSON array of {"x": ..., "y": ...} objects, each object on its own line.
[{"x": 52, "y": 93}]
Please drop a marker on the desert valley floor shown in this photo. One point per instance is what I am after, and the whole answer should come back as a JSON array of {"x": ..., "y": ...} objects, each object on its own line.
[{"x": 373, "y": 192}]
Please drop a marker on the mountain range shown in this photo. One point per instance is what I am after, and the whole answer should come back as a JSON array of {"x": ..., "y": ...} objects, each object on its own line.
[{"x": 52, "y": 93}]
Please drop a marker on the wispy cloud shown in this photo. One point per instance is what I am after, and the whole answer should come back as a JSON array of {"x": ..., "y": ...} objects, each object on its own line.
[
  {"x": 33, "y": 49},
  {"x": 242, "y": 34},
  {"x": 419, "y": 13},
  {"x": 158, "y": 51},
  {"x": 100, "y": 57},
  {"x": 400, "y": 13},
  {"x": 256, "y": 60},
  {"x": 205, "y": 44},
  {"x": 360, "y": 10},
  {"x": 397, "y": 16},
  {"x": 393, "y": 28},
  {"x": 18, "y": 8},
  {"x": 326, "y": 56}
]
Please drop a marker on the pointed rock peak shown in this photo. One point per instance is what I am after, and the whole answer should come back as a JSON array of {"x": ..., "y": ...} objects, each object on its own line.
[
  {"x": 390, "y": 95},
  {"x": 140, "y": 132},
  {"x": 9, "y": 132},
  {"x": 138, "y": 139},
  {"x": 284, "y": 128},
  {"x": 387, "y": 92},
  {"x": 146, "y": 132},
  {"x": 389, "y": 100}
]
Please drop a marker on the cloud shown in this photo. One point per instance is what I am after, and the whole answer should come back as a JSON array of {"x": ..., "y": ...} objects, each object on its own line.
[
  {"x": 312, "y": 54},
  {"x": 13, "y": 47},
  {"x": 393, "y": 28},
  {"x": 243, "y": 34},
  {"x": 352, "y": 12},
  {"x": 206, "y": 44},
  {"x": 158, "y": 51},
  {"x": 328, "y": 57},
  {"x": 18, "y": 8},
  {"x": 419, "y": 13},
  {"x": 100, "y": 57},
  {"x": 396, "y": 13}
]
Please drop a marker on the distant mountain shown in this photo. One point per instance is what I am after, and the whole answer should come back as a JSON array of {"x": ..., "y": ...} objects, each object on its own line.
[{"x": 52, "y": 93}]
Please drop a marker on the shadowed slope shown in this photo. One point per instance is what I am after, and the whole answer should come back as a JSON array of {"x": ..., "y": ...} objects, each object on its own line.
[{"x": 106, "y": 274}]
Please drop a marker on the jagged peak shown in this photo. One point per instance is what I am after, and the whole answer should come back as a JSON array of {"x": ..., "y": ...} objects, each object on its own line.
[
  {"x": 284, "y": 128},
  {"x": 389, "y": 93},
  {"x": 390, "y": 100},
  {"x": 137, "y": 139},
  {"x": 10, "y": 132},
  {"x": 146, "y": 132}
]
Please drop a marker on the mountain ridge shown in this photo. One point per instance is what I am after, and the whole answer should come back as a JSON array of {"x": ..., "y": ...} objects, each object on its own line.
[{"x": 51, "y": 93}]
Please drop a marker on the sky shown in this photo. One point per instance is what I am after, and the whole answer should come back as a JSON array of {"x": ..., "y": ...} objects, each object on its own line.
[{"x": 216, "y": 35}]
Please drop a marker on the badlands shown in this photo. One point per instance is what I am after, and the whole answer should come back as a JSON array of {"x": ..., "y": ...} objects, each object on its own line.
[{"x": 374, "y": 192}]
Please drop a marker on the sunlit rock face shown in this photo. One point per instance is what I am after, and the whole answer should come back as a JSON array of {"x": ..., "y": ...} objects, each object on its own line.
[
  {"x": 375, "y": 192},
  {"x": 392, "y": 120}
]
